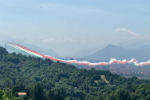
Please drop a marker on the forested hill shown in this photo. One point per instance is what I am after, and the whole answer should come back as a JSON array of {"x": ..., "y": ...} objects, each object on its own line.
[{"x": 47, "y": 80}]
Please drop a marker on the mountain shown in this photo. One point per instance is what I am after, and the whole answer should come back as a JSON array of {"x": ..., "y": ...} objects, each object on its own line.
[
  {"x": 113, "y": 51},
  {"x": 126, "y": 70},
  {"x": 47, "y": 80}
]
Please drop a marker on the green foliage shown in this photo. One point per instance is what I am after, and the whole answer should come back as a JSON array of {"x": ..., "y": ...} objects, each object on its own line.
[
  {"x": 45, "y": 79},
  {"x": 5, "y": 94},
  {"x": 38, "y": 93},
  {"x": 122, "y": 94},
  {"x": 3, "y": 51}
]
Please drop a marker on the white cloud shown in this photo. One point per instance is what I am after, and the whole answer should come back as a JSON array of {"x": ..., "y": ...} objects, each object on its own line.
[
  {"x": 125, "y": 30},
  {"x": 127, "y": 36}
]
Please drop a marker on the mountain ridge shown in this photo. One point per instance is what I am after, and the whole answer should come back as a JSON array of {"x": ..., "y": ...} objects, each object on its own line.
[{"x": 118, "y": 52}]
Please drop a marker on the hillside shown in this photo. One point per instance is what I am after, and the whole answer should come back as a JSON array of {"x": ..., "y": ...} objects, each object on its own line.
[
  {"x": 44, "y": 79},
  {"x": 126, "y": 70}
]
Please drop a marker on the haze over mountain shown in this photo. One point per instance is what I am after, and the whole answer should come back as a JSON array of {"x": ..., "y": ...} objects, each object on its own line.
[{"x": 118, "y": 52}]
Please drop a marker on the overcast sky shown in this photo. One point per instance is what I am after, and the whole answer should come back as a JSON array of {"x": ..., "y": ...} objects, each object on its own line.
[{"x": 70, "y": 26}]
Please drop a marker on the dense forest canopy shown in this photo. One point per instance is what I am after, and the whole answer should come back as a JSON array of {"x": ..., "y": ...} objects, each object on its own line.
[{"x": 43, "y": 79}]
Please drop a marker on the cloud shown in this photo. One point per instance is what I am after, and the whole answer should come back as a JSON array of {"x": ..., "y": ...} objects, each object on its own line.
[
  {"x": 127, "y": 36},
  {"x": 125, "y": 30}
]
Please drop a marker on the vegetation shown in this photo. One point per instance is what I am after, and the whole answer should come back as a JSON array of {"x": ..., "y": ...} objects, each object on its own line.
[{"x": 46, "y": 80}]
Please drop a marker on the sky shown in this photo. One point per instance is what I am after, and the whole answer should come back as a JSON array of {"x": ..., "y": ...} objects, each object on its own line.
[{"x": 75, "y": 26}]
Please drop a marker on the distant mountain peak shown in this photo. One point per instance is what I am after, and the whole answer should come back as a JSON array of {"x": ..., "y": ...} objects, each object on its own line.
[
  {"x": 119, "y": 52},
  {"x": 112, "y": 46}
]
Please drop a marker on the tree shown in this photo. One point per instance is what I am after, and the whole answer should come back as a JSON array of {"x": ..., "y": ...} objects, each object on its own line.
[
  {"x": 122, "y": 94},
  {"x": 3, "y": 52},
  {"x": 38, "y": 93},
  {"x": 1, "y": 94},
  {"x": 51, "y": 95}
]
